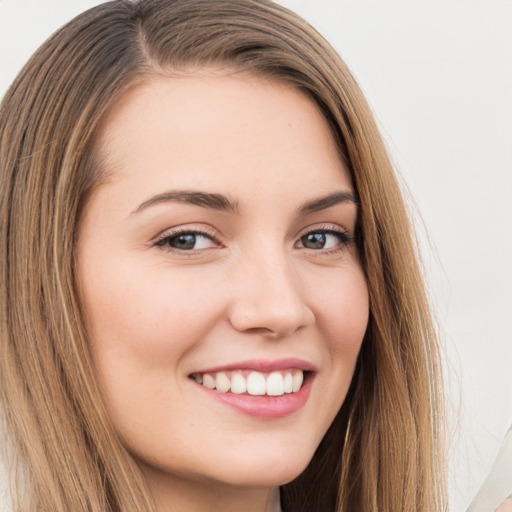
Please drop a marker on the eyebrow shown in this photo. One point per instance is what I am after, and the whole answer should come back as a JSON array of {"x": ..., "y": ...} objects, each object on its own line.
[
  {"x": 204, "y": 199},
  {"x": 327, "y": 201},
  {"x": 221, "y": 202}
]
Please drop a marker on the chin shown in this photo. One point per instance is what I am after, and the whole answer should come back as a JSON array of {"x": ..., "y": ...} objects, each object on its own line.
[
  {"x": 269, "y": 469},
  {"x": 244, "y": 468}
]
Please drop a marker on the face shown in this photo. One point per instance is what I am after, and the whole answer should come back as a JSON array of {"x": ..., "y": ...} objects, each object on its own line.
[{"x": 223, "y": 294}]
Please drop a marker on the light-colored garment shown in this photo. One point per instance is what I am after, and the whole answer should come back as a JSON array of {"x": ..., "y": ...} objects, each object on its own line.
[
  {"x": 497, "y": 487},
  {"x": 5, "y": 495}
]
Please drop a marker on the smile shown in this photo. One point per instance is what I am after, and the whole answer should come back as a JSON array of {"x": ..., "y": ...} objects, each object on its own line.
[{"x": 255, "y": 383}]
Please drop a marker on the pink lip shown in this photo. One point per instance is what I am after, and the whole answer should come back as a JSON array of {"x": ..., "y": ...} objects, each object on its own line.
[
  {"x": 262, "y": 365},
  {"x": 264, "y": 407}
]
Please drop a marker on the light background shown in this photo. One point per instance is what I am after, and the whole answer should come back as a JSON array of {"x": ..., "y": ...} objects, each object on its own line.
[{"x": 438, "y": 75}]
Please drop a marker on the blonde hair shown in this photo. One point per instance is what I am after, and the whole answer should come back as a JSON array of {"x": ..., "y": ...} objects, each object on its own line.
[{"x": 383, "y": 452}]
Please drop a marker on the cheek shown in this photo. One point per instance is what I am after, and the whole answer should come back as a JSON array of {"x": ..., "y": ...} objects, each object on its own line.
[
  {"x": 342, "y": 312},
  {"x": 345, "y": 320},
  {"x": 148, "y": 319}
]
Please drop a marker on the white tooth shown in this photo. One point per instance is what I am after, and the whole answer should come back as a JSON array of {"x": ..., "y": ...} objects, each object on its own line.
[
  {"x": 256, "y": 384},
  {"x": 208, "y": 381},
  {"x": 238, "y": 384},
  {"x": 298, "y": 378},
  {"x": 288, "y": 383},
  {"x": 275, "y": 384},
  {"x": 198, "y": 378},
  {"x": 222, "y": 382}
]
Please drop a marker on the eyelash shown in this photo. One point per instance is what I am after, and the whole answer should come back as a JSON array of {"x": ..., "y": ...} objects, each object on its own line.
[
  {"x": 344, "y": 237},
  {"x": 165, "y": 239}
]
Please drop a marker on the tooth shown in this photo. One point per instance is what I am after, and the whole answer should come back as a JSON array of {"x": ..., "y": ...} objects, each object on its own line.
[
  {"x": 256, "y": 384},
  {"x": 198, "y": 378},
  {"x": 208, "y": 381},
  {"x": 238, "y": 384},
  {"x": 275, "y": 384},
  {"x": 222, "y": 382},
  {"x": 288, "y": 383},
  {"x": 298, "y": 378}
]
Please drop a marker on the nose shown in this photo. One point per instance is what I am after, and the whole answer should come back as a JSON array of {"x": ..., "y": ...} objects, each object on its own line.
[{"x": 268, "y": 298}]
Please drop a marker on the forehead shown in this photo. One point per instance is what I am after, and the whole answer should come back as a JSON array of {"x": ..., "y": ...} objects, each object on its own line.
[{"x": 214, "y": 130}]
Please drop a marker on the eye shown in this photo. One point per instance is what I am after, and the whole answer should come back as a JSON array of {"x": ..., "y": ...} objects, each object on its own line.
[
  {"x": 324, "y": 239},
  {"x": 186, "y": 241}
]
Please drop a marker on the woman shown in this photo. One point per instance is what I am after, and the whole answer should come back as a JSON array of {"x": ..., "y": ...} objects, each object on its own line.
[{"x": 210, "y": 295}]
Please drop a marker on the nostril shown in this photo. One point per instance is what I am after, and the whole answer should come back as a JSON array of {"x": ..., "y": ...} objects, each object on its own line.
[
  {"x": 263, "y": 331},
  {"x": 275, "y": 333}
]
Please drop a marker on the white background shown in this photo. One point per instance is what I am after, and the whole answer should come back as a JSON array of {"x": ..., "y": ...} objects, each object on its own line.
[{"x": 438, "y": 75}]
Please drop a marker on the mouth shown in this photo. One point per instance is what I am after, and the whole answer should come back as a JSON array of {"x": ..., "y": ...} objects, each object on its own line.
[
  {"x": 254, "y": 383},
  {"x": 260, "y": 389}
]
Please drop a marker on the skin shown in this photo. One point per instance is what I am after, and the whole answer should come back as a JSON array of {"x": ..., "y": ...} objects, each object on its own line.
[{"x": 251, "y": 288}]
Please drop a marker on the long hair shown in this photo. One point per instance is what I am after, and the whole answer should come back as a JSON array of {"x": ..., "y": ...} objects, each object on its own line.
[{"x": 383, "y": 451}]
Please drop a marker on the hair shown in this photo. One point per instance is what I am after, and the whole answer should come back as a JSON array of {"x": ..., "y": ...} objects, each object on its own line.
[{"x": 383, "y": 451}]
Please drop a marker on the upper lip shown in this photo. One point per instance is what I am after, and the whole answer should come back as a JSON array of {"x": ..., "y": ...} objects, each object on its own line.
[{"x": 263, "y": 365}]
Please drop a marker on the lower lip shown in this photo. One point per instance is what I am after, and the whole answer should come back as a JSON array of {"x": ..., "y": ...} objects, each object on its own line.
[{"x": 263, "y": 406}]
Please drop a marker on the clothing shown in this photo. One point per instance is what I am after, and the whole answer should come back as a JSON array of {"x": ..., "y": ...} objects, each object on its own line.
[{"x": 497, "y": 487}]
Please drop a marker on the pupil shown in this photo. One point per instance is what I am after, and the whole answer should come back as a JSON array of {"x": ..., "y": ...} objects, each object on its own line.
[
  {"x": 184, "y": 242},
  {"x": 314, "y": 241}
]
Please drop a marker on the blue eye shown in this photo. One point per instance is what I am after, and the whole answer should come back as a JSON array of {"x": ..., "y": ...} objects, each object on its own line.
[
  {"x": 324, "y": 239},
  {"x": 187, "y": 241}
]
